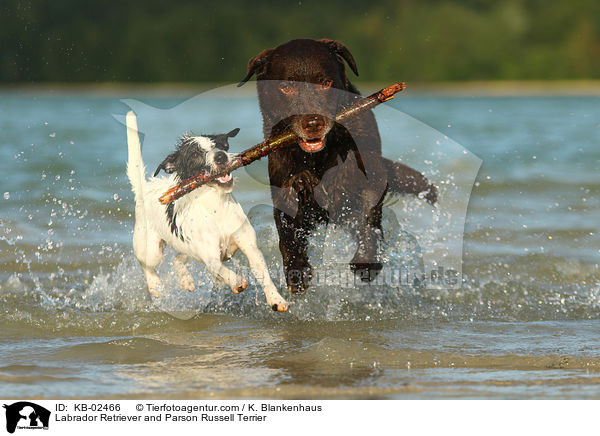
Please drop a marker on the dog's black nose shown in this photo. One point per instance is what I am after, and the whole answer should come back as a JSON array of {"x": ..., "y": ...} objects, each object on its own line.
[
  {"x": 220, "y": 158},
  {"x": 313, "y": 124}
]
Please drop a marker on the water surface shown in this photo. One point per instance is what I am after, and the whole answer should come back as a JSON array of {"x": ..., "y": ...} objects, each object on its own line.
[{"x": 76, "y": 320}]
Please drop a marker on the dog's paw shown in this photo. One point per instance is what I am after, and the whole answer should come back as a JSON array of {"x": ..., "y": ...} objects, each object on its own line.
[
  {"x": 155, "y": 292},
  {"x": 241, "y": 287},
  {"x": 298, "y": 279},
  {"x": 367, "y": 272},
  {"x": 298, "y": 288},
  {"x": 277, "y": 302},
  {"x": 366, "y": 264},
  {"x": 301, "y": 286},
  {"x": 187, "y": 283},
  {"x": 431, "y": 194},
  {"x": 280, "y": 307},
  {"x": 302, "y": 184}
]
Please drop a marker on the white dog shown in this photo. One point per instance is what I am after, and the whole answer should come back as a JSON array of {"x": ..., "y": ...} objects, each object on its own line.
[{"x": 207, "y": 224}]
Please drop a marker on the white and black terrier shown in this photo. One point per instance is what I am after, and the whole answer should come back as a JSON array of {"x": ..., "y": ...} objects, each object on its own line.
[{"x": 207, "y": 224}]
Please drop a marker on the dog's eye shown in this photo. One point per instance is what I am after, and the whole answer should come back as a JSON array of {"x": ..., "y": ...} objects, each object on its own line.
[
  {"x": 326, "y": 84},
  {"x": 288, "y": 88},
  {"x": 195, "y": 155}
]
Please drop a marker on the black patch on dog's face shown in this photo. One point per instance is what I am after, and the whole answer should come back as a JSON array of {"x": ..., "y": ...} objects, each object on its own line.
[
  {"x": 188, "y": 160},
  {"x": 197, "y": 155},
  {"x": 222, "y": 141}
]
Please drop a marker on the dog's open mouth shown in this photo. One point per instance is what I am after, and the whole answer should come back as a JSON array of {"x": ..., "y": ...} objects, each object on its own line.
[
  {"x": 225, "y": 180},
  {"x": 312, "y": 145}
]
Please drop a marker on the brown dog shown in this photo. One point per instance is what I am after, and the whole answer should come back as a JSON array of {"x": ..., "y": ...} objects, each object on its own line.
[{"x": 335, "y": 173}]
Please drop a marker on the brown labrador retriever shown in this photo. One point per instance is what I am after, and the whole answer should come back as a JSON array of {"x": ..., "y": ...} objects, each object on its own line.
[{"x": 335, "y": 173}]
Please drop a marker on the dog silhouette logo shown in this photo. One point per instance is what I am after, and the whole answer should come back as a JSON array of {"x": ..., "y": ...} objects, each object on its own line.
[{"x": 26, "y": 415}]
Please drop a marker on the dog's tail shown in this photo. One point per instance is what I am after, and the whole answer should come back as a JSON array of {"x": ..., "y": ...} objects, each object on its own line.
[
  {"x": 135, "y": 165},
  {"x": 403, "y": 179}
]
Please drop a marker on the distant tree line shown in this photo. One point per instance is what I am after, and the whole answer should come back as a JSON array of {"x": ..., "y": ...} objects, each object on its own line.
[{"x": 185, "y": 40}]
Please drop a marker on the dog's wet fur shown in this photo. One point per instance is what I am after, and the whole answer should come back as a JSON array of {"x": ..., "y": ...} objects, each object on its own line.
[
  {"x": 207, "y": 224},
  {"x": 199, "y": 155},
  {"x": 335, "y": 173}
]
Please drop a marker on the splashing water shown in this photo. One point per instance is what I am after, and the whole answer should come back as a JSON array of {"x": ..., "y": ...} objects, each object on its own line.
[{"x": 523, "y": 323}]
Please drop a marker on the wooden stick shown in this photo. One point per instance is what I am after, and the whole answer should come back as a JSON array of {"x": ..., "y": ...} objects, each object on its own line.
[{"x": 264, "y": 148}]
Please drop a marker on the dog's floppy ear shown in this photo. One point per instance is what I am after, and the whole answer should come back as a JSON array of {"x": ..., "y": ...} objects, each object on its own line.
[
  {"x": 256, "y": 64},
  {"x": 233, "y": 133},
  {"x": 341, "y": 50},
  {"x": 168, "y": 165}
]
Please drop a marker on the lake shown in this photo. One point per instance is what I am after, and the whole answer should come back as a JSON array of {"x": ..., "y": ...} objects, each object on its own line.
[{"x": 517, "y": 220}]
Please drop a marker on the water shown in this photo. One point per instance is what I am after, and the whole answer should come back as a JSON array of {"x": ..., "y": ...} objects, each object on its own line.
[{"x": 76, "y": 320}]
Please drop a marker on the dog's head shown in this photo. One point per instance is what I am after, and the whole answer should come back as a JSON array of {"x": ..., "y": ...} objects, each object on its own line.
[
  {"x": 299, "y": 85},
  {"x": 201, "y": 155}
]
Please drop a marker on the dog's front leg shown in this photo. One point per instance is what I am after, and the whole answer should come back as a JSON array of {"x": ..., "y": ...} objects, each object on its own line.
[
  {"x": 245, "y": 239},
  {"x": 298, "y": 191},
  {"x": 366, "y": 263},
  {"x": 217, "y": 269},
  {"x": 293, "y": 245},
  {"x": 185, "y": 278}
]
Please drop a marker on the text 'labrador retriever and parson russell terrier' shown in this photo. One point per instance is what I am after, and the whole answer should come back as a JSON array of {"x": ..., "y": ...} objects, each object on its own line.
[
  {"x": 335, "y": 173},
  {"x": 207, "y": 224}
]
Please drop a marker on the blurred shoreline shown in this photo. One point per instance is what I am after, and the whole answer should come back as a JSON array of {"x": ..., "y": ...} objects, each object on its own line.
[{"x": 504, "y": 88}]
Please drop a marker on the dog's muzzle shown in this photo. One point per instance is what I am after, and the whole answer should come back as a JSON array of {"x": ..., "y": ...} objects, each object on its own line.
[
  {"x": 312, "y": 129},
  {"x": 221, "y": 160},
  {"x": 224, "y": 179}
]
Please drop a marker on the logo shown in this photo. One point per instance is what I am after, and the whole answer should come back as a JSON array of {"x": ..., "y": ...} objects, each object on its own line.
[{"x": 26, "y": 415}]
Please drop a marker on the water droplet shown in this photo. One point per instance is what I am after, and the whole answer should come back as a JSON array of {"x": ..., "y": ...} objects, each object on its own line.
[{"x": 6, "y": 195}]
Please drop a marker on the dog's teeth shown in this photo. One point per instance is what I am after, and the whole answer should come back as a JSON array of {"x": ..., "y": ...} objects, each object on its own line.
[{"x": 224, "y": 179}]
